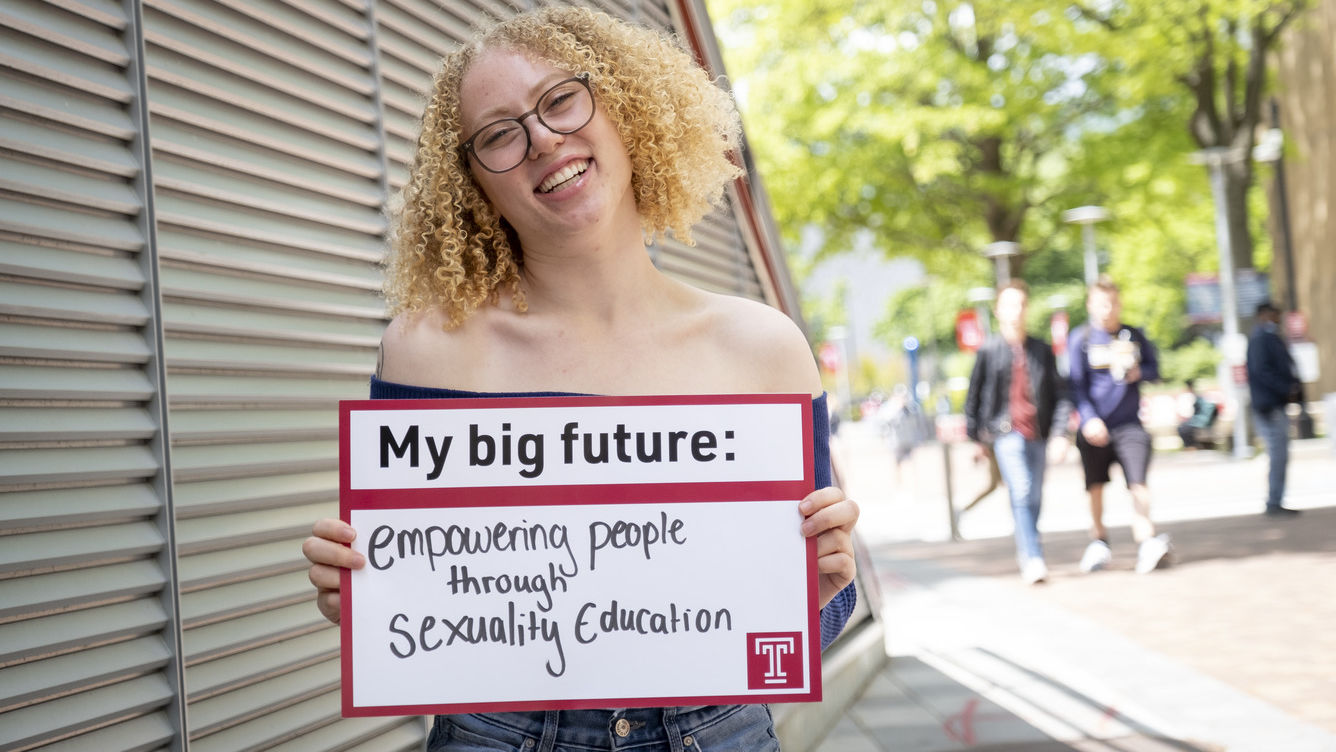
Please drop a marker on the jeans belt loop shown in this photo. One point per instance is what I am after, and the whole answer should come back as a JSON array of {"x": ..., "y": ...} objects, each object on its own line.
[
  {"x": 550, "y": 722},
  {"x": 670, "y": 726}
]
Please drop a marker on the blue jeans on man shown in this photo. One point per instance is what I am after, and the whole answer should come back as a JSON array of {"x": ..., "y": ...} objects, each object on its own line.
[
  {"x": 1022, "y": 464},
  {"x": 1274, "y": 428}
]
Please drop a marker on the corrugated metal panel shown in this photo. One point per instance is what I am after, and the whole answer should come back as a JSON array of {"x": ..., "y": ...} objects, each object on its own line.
[
  {"x": 86, "y": 592},
  {"x": 278, "y": 126},
  {"x": 269, "y": 183},
  {"x": 717, "y": 262},
  {"x": 411, "y": 38}
]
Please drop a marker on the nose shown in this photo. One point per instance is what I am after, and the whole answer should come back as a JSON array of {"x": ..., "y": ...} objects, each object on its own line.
[{"x": 542, "y": 140}]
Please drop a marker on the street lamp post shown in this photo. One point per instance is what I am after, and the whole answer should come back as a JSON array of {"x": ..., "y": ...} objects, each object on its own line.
[
  {"x": 1087, "y": 217},
  {"x": 1001, "y": 252},
  {"x": 1215, "y": 160}
]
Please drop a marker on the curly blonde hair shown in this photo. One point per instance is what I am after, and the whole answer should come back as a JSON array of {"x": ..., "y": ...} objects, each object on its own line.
[{"x": 450, "y": 248}]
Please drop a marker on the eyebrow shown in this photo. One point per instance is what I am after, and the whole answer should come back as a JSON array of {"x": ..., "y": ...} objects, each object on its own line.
[{"x": 498, "y": 112}]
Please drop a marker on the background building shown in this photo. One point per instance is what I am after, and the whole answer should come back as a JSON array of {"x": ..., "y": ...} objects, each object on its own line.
[{"x": 191, "y": 218}]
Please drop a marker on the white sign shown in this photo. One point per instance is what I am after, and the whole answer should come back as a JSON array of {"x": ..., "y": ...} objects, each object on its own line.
[
  {"x": 574, "y": 445},
  {"x": 1306, "y": 361},
  {"x": 577, "y": 553}
]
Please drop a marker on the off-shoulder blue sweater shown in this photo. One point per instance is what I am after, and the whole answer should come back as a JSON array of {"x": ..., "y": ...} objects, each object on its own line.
[{"x": 833, "y": 616}]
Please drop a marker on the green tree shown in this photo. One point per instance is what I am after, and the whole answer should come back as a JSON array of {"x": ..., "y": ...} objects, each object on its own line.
[
  {"x": 1216, "y": 52},
  {"x": 938, "y": 127},
  {"x": 934, "y": 127}
]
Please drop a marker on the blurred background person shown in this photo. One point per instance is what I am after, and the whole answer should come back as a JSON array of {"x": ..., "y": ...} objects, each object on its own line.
[
  {"x": 901, "y": 421},
  {"x": 1016, "y": 400},
  {"x": 1273, "y": 383},
  {"x": 1109, "y": 361},
  {"x": 1195, "y": 430}
]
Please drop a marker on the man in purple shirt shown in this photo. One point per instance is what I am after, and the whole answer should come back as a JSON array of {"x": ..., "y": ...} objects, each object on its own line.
[{"x": 1109, "y": 360}]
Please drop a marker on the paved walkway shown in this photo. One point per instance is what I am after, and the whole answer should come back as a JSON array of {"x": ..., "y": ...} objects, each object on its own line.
[{"x": 1233, "y": 648}]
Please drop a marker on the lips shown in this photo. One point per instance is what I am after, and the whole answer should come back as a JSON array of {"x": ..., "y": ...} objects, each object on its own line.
[{"x": 571, "y": 171}]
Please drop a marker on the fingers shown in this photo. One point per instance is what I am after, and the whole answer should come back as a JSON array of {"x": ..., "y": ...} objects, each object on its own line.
[
  {"x": 327, "y": 546},
  {"x": 825, "y": 512},
  {"x": 830, "y": 517},
  {"x": 327, "y": 550},
  {"x": 836, "y": 572},
  {"x": 834, "y": 541},
  {"x": 328, "y": 603},
  {"x": 324, "y": 577},
  {"x": 839, "y": 566},
  {"x": 819, "y": 499},
  {"x": 335, "y": 530}
]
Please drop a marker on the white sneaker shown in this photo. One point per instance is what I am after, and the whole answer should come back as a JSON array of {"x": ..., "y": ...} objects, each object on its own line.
[
  {"x": 1034, "y": 572},
  {"x": 1153, "y": 554},
  {"x": 1097, "y": 556}
]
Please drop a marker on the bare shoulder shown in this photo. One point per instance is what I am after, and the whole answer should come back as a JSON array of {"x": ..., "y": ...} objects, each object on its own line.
[
  {"x": 765, "y": 342},
  {"x": 417, "y": 348}
]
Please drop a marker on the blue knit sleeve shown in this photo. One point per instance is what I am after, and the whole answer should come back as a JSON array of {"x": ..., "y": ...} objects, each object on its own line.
[{"x": 834, "y": 615}]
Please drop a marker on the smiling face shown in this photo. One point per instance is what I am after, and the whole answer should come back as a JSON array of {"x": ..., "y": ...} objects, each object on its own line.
[{"x": 567, "y": 183}]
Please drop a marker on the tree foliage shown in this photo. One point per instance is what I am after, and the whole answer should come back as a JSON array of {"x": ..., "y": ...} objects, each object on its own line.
[
  {"x": 939, "y": 126},
  {"x": 1213, "y": 52}
]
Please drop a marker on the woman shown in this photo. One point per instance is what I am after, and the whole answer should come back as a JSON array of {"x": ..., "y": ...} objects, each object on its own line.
[{"x": 552, "y": 148}]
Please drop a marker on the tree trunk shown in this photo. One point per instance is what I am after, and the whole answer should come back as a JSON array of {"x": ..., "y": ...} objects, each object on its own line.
[{"x": 1238, "y": 179}]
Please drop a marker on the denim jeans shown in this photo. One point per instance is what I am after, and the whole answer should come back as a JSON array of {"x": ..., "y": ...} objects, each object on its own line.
[
  {"x": 711, "y": 728},
  {"x": 1022, "y": 464},
  {"x": 1274, "y": 428}
]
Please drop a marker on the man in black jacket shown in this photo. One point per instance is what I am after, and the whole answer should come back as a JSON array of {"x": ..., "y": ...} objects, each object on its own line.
[
  {"x": 1016, "y": 400},
  {"x": 1273, "y": 383}
]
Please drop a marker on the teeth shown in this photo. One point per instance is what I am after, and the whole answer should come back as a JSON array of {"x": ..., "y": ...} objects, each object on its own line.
[{"x": 562, "y": 175}]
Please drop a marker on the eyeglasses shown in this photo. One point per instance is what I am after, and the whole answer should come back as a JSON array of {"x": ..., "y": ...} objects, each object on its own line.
[{"x": 502, "y": 145}]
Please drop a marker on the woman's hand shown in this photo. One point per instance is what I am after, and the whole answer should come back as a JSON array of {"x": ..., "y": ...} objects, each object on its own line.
[
  {"x": 829, "y": 517},
  {"x": 327, "y": 550}
]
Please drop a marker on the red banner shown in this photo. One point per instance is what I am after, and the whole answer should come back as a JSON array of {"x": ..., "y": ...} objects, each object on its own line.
[{"x": 969, "y": 331}]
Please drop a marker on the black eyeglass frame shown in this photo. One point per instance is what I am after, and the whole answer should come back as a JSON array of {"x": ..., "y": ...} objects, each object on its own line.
[{"x": 466, "y": 148}]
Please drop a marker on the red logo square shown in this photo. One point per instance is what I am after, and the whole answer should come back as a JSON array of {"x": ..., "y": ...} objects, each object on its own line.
[{"x": 774, "y": 660}]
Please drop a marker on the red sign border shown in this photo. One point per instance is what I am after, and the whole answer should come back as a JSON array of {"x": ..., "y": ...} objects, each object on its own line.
[{"x": 570, "y": 494}]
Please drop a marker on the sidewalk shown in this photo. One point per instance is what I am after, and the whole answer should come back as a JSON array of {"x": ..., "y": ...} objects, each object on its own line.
[{"x": 1230, "y": 649}]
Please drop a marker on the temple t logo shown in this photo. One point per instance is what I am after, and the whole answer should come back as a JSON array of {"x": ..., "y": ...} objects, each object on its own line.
[{"x": 774, "y": 660}]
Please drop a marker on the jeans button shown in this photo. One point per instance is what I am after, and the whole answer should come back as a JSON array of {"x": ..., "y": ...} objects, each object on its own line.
[
  {"x": 688, "y": 740},
  {"x": 528, "y": 743},
  {"x": 622, "y": 728}
]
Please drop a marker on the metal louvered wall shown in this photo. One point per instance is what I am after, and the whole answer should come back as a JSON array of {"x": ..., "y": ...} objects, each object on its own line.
[
  {"x": 269, "y": 182},
  {"x": 88, "y": 647},
  {"x": 226, "y": 288}
]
